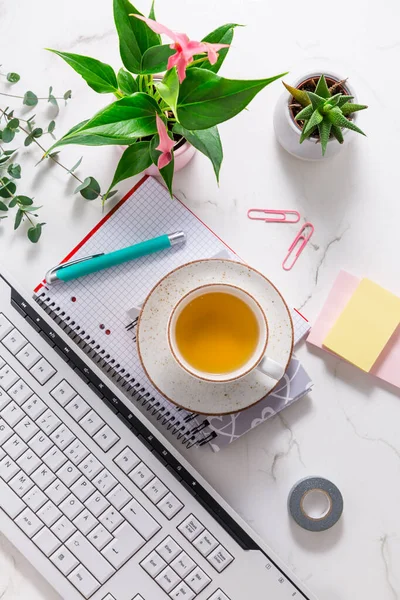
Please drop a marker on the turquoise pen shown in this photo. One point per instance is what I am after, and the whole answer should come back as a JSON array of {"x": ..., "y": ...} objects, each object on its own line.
[{"x": 92, "y": 264}]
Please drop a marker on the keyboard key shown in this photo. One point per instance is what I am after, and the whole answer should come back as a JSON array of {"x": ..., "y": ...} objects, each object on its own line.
[
  {"x": 48, "y": 422},
  {"x": 155, "y": 490},
  {"x": 63, "y": 393},
  {"x": 169, "y": 549},
  {"x": 8, "y": 468},
  {"x": 63, "y": 529},
  {"x": 28, "y": 522},
  {"x": 12, "y": 414},
  {"x": 100, "y": 537},
  {"x": 34, "y": 407},
  {"x": 105, "y": 481},
  {"x": 42, "y": 371},
  {"x": 46, "y": 541},
  {"x": 71, "y": 507},
  {"x": 9, "y": 501},
  {"x": 183, "y": 565},
  {"x": 7, "y": 377},
  {"x": 219, "y": 595},
  {"x": 141, "y": 475},
  {"x": 26, "y": 428},
  {"x": 205, "y": 543},
  {"x": 29, "y": 462},
  {"x": 5, "y": 326},
  {"x": 91, "y": 423},
  {"x": 167, "y": 579},
  {"x": 14, "y": 341},
  {"x": 57, "y": 492},
  {"x": 4, "y": 398},
  {"x": 54, "y": 458},
  {"x": 68, "y": 474},
  {"x": 170, "y": 505},
  {"x": 62, "y": 436},
  {"x": 2, "y": 454},
  {"x": 14, "y": 447},
  {"x": 20, "y": 392},
  {"x": 83, "y": 489},
  {"x": 40, "y": 444},
  {"x": 64, "y": 560},
  {"x": 125, "y": 544},
  {"x": 76, "y": 452},
  {"x": 197, "y": 580},
  {"x": 83, "y": 581},
  {"x": 43, "y": 477},
  {"x": 20, "y": 483},
  {"x": 140, "y": 519},
  {"x": 127, "y": 460},
  {"x": 111, "y": 519},
  {"x": 153, "y": 564},
  {"x": 106, "y": 438},
  {"x": 28, "y": 356},
  {"x": 191, "y": 528},
  {"x": 90, "y": 467},
  {"x": 97, "y": 504},
  {"x": 85, "y": 522},
  {"x": 220, "y": 559},
  {"x": 5, "y": 432},
  {"x": 49, "y": 513},
  {"x": 77, "y": 408},
  {"x": 182, "y": 592},
  {"x": 89, "y": 557},
  {"x": 119, "y": 497},
  {"x": 35, "y": 499}
]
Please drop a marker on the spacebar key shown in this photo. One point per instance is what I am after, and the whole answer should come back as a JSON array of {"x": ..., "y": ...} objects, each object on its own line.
[
  {"x": 9, "y": 501},
  {"x": 89, "y": 557}
]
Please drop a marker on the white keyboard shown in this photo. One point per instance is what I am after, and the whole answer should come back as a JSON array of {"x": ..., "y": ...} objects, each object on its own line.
[{"x": 96, "y": 499}]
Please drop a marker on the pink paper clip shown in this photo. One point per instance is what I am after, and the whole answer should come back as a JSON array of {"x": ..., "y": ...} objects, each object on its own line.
[
  {"x": 303, "y": 238},
  {"x": 281, "y": 215}
]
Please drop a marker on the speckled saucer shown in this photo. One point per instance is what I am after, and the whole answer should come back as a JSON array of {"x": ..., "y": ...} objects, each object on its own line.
[{"x": 172, "y": 381}]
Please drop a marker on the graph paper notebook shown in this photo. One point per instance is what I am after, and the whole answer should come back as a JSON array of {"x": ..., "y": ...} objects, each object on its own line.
[{"x": 94, "y": 310}]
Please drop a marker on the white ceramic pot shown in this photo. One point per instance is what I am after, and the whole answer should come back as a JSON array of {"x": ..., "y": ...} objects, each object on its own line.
[
  {"x": 288, "y": 132},
  {"x": 182, "y": 156}
]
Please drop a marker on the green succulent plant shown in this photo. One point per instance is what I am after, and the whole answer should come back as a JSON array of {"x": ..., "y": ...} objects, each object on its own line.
[{"x": 324, "y": 113}]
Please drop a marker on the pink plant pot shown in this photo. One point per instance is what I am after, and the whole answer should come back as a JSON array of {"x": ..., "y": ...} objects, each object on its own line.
[{"x": 182, "y": 155}]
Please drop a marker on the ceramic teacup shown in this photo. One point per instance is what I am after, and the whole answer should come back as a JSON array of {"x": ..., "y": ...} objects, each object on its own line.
[{"x": 259, "y": 358}]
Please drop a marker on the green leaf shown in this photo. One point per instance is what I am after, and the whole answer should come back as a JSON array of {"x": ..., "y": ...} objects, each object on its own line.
[
  {"x": 206, "y": 141},
  {"x": 30, "y": 99},
  {"x": 53, "y": 101},
  {"x": 168, "y": 88},
  {"x": 344, "y": 99},
  {"x": 3, "y": 206},
  {"x": 13, "y": 124},
  {"x": 76, "y": 165},
  {"x": 6, "y": 156},
  {"x": 304, "y": 135},
  {"x": 89, "y": 189},
  {"x": 37, "y": 132},
  {"x": 51, "y": 126},
  {"x": 155, "y": 59},
  {"x": 324, "y": 129},
  {"x": 222, "y": 35},
  {"x": 12, "y": 202},
  {"x": 322, "y": 88},
  {"x": 18, "y": 219},
  {"x": 98, "y": 75},
  {"x": 53, "y": 154},
  {"x": 135, "y": 37},
  {"x": 206, "y": 99},
  {"x": 24, "y": 200},
  {"x": 30, "y": 208},
  {"x": 299, "y": 95},
  {"x": 28, "y": 140},
  {"x": 349, "y": 108},
  {"x": 316, "y": 101},
  {"x": 111, "y": 194},
  {"x": 152, "y": 14},
  {"x": 8, "y": 135},
  {"x": 305, "y": 113},
  {"x": 134, "y": 160},
  {"x": 337, "y": 132},
  {"x": 126, "y": 82},
  {"x": 13, "y": 77},
  {"x": 119, "y": 123},
  {"x": 337, "y": 118},
  {"x": 311, "y": 124},
  {"x": 67, "y": 95},
  {"x": 167, "y": 173},
  {"x": 14, "y": 171},
  {"x": 8, "y": 188},
  {"x": 35, "y": 232}
]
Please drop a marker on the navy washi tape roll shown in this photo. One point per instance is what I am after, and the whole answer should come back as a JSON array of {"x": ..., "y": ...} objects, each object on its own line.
[{"x": 298, "y": 500}]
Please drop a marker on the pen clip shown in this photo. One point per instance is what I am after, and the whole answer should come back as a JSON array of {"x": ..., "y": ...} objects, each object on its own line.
[
  {"x": 51, "y": 274},
  {"x": 303, "y": 238}
]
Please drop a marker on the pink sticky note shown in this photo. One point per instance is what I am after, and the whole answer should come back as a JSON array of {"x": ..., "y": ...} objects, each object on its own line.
[{"x": 387, "y": 364}]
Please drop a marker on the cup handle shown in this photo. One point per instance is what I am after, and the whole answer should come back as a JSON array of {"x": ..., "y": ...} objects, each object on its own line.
[{"x": 270, "y": 367}]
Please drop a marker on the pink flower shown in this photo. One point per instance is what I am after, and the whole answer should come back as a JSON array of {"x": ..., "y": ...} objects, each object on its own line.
[
  {"x": 165, "y": 146},
  {"x": 185, "y": 48}
]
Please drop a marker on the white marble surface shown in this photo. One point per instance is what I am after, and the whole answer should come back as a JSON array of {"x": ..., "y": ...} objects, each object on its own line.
[{"x": 347, "y": 430}]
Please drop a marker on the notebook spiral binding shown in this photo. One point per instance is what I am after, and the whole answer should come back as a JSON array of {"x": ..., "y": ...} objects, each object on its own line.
[{"x": 132, "y": 389}]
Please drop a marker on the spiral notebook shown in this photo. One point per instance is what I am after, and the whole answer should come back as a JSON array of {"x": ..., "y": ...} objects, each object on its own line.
[{"x": 94, "y": 310}]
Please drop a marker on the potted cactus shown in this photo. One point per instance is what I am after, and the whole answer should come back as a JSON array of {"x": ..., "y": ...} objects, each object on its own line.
[{"x": 312, "y": 121}]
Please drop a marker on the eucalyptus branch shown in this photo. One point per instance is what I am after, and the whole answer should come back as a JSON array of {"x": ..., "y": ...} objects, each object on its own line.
[{"x": 22, "y": 97}]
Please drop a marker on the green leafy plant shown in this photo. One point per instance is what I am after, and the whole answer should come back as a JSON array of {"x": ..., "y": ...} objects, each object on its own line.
[
  {"x": 322, "y": 113},
  {"x": 152, "y": 113}
]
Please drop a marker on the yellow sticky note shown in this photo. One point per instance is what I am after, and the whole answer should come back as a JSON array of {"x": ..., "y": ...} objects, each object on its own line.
[{"x": 365, "y": 325}]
